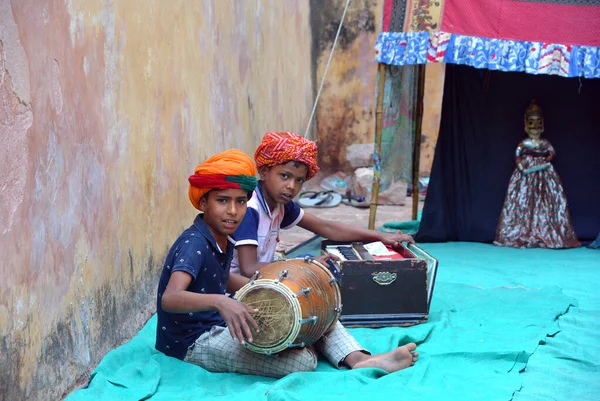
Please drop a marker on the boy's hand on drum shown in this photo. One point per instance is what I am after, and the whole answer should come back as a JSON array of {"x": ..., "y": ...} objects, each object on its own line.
[
  {"x": 238, "y": 316},
  {"x": 324, "y": 258},
  {"x": 395, "y": 239}
]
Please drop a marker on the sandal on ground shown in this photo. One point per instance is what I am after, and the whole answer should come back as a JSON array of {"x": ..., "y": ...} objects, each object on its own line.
[
  {"x": 356, "y": 201},
  {"x": 319, "y": 199}
]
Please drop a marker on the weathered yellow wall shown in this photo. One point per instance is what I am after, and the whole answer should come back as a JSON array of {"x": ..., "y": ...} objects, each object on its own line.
[
  {"x": 106, "y": 108},
  {"x": 346, "y": 110}
]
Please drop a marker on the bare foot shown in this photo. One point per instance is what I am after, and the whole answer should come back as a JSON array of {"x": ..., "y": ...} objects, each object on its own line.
[{"x": 393, "y": 361}]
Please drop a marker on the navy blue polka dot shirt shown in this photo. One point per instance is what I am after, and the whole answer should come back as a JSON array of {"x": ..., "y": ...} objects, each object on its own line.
[{"x": 195, "y": 252}]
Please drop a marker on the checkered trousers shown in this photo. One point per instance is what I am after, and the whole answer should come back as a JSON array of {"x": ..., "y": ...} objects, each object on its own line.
[
  {"x": 337, "y": 344},
  {"x": 217, "y": 351}
]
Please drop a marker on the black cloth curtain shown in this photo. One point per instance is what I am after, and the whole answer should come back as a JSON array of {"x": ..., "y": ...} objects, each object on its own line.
[{"x": 480, "y": 128}]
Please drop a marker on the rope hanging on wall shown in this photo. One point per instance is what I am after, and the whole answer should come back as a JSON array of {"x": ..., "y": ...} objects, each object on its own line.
[{"x": 337, "y": 35}]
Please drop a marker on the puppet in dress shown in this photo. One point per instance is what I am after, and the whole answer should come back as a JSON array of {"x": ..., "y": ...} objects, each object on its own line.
[{"x": 535, "y": 211}]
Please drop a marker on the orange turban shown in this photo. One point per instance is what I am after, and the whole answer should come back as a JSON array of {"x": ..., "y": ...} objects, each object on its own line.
[
  {"x": 230, "y": 169},
  {"x": 282, "y": 147}
]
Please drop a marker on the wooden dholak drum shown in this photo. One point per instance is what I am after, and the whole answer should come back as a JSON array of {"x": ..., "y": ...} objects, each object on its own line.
[{"x": 298, "y": 300}]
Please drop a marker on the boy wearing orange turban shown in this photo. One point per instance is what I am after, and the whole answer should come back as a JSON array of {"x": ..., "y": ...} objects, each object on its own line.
[{"x": 195, "y": 278}]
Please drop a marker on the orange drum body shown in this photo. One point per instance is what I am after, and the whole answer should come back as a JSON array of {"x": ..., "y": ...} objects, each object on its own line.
[{"x": 298, "y": 300}]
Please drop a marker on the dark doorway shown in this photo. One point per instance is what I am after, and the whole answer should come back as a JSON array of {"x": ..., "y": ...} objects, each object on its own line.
[{"x": 481, "y": 126}]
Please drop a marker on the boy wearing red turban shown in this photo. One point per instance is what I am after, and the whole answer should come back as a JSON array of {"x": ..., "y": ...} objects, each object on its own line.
[{"x": 285, "y": 161}]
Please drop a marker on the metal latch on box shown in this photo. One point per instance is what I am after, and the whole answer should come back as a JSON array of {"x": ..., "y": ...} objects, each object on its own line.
[{"x": 384, "y": 278}]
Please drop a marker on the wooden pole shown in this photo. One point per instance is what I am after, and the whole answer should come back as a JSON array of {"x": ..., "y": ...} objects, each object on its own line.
[
  {"x": 381, "y": 69},
  {"x": 417, "y": 144}
]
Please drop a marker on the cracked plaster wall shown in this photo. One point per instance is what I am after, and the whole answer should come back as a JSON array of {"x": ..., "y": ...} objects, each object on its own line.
[
  {"x": 346, "y": 111},
  {"x": 107, "y": 106}
]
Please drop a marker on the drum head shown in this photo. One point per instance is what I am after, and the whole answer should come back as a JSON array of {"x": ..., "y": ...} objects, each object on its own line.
[{"x": 275, "y": 316}]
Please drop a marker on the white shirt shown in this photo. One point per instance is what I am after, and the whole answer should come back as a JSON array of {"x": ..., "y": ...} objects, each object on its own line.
[{"x": 261, "y": 227}]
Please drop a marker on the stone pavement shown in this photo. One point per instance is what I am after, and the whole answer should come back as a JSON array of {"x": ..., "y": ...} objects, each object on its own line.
[{"x": 349, "y": 215}]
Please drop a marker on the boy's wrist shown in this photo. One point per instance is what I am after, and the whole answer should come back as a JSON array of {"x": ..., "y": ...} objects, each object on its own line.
[
  {"x": 380, "y": 236},
  {"x": 218, "y": 302}
]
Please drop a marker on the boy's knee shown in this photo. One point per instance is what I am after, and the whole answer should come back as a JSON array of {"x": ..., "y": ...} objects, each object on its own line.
[{"x": 306, "y": 360}]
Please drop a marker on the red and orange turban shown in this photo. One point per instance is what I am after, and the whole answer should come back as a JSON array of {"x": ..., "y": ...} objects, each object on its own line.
[
  {"x": 230, "y": 169},
  {"x": 282, "y": 147}
]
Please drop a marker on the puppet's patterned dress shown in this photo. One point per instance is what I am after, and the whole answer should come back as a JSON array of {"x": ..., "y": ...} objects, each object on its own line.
[{"x": 535, "y": 211}]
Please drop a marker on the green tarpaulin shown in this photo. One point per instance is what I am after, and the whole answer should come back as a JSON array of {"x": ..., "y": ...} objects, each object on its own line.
[{"x": 504, "y": 324}]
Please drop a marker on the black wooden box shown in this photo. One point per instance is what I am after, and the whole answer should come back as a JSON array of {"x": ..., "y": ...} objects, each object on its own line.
[{"x": 378, "y": 293}]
